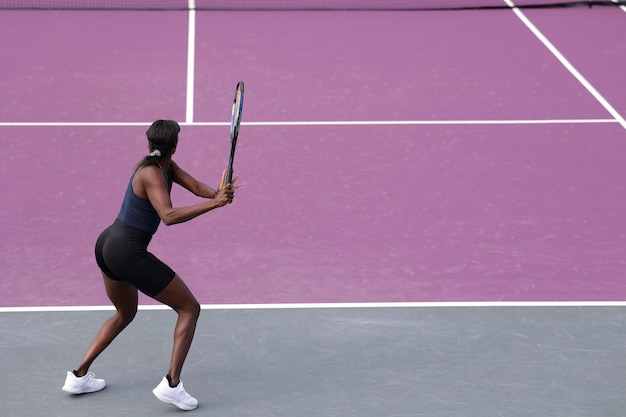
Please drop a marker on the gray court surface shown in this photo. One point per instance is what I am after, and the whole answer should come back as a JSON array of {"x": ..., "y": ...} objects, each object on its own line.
[{"x": 424, "y": 361}]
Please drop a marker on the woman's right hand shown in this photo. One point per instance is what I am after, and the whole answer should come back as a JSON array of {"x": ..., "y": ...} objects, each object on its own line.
[{"x": 225, "y": 192}]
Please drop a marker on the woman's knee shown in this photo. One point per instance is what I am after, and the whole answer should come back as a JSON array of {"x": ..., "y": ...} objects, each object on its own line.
[
  {"x": 126, "y": 316},
  {"x": 193, "y": 309}
]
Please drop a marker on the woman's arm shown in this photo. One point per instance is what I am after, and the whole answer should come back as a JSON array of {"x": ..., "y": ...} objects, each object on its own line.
[
  {"x": 152, "y": 181},
  {"x": 185, "y": 180}
]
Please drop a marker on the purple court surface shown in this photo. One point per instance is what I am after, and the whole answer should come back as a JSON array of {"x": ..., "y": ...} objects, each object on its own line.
[{"x": 440, "y": 156}]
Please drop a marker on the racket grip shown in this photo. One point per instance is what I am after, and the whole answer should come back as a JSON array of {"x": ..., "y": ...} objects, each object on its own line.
[{"x": 229, "y": 175}]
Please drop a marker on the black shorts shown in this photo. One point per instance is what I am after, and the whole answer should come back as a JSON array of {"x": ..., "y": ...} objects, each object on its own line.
[{"x": 122, "y": 254}]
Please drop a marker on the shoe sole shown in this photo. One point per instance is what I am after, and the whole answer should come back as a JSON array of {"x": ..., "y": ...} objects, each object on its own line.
[
  {"x": 70, "y": 391},
  {"x": 173, "y": 402}
]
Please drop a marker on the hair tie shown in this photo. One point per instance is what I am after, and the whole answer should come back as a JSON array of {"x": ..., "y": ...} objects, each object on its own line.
[{"x": 156, "y": 153}]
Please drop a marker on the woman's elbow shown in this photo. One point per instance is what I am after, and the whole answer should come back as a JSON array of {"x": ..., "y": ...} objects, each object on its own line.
[{"x": 168, "y": 221}]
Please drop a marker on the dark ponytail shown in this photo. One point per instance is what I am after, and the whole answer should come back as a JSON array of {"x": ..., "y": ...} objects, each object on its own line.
[{"x": 162, "y": 140}]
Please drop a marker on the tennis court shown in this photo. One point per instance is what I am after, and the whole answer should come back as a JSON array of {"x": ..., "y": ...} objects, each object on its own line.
[{"x": 431, "y": 222}]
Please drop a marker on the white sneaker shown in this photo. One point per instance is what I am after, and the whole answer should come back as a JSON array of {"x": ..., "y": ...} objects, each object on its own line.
[
  {"x": 83, "y": 384},
  {"x": 176, "y": 396}
]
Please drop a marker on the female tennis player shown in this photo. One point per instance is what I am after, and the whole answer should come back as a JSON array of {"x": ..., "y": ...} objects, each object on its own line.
[{"x": 127, "y": 266}]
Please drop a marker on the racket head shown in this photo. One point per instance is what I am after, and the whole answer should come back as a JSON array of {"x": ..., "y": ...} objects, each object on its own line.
[{"x": 235, "y": 118}]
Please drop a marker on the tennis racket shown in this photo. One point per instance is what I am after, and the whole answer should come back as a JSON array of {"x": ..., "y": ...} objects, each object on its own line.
[{"x": 235, "y": 121}]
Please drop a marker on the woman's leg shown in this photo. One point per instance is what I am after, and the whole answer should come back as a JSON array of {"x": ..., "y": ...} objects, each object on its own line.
[
  {"x": 180, "y": 299},
  {"x": 124, "y": 297}
]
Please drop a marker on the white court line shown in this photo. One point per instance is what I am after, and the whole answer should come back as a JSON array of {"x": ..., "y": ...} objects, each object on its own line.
[
  {"x": 317, "y": 306},
  {"x": 566, "y": 63},
  {"x": 427, "y": 122},
  {"x": 320, "y": 123},
  {"x": 191, "y": 61}
]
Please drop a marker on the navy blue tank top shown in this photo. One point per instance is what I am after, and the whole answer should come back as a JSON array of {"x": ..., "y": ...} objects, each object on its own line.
[{"x": 138, "y": 212}]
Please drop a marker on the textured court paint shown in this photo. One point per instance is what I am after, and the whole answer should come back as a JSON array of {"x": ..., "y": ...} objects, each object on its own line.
[
  {"x": 92, "y": 66},
  {"x": 383, "y": 66},
  {"x": 327, "y": 214},
  {"x": 567, "y": 65},
  {"x": 592, "y": 41},
  {"x": 361, "y": 214}
]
